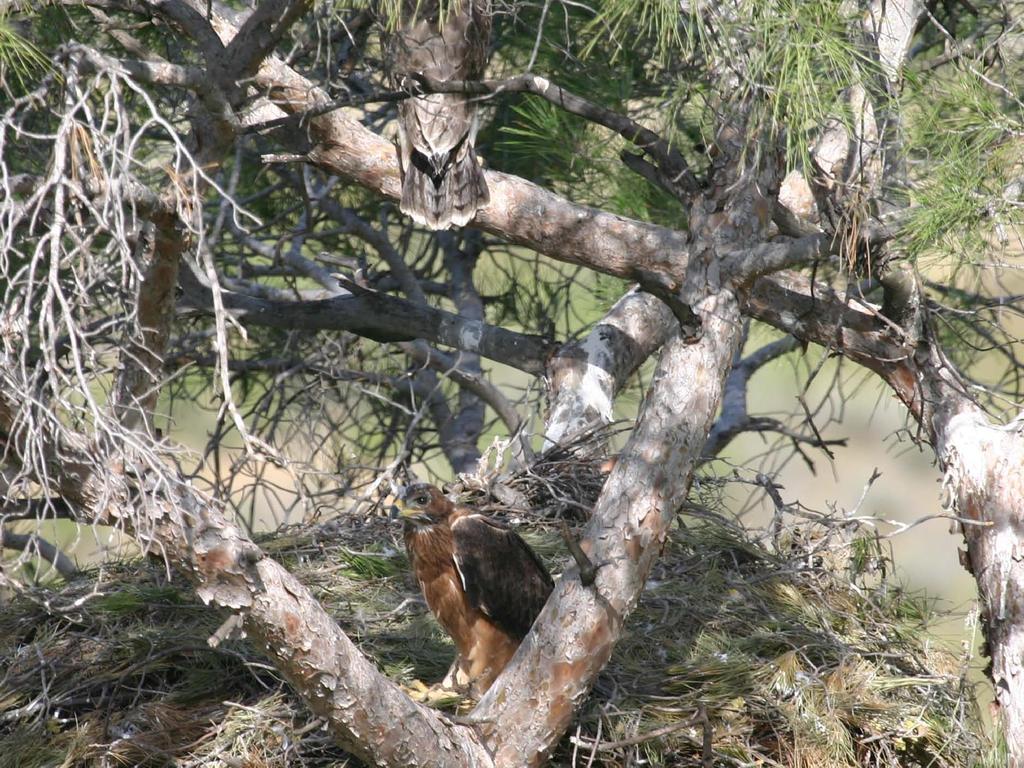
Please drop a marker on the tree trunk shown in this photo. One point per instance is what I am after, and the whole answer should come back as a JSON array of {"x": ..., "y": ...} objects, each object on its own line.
[{"x": 525, "y": 713}]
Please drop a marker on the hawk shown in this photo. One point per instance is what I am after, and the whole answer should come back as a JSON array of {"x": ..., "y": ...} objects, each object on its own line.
[
  {"x": 480, "y": 579},
  {"x": 442, "y": 183}
]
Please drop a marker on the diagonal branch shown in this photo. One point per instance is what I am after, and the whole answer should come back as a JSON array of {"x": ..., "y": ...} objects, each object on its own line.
[
  {"x": 585, "y": 376},
  {"x": 735, "y": 418},
  {"x": 259, "y": 34},
  {"x": 476, "y": 383},
  {"x": 34, "y": 543},
  {"x": 521, "y": 212},
  {"x": 229, "y": 571}
]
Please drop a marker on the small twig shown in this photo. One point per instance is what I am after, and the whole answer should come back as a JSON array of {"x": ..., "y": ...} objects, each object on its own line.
[
  {"x": 707, "y": 754},
  {"x": 225, "y": 630},
  {"x": 301, "y": 118},
  {"x": 819, "y": 440},
  {"x": 284, "y": 157},
  {"x": 780, "y": 507}
]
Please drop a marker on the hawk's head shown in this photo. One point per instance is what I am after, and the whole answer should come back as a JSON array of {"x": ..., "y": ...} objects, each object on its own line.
[{"x": 423, "y": 505}]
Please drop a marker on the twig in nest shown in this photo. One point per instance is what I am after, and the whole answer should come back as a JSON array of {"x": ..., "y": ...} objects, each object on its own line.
[
  {"x": 707, "y": 755},
  {"x": 225, "y": 630}
]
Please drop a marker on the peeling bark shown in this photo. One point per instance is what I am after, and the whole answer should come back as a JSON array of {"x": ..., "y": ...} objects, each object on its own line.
[
  {"x": 983, "y": 466},
  {"x": 585, "y": 376},
  {"x": 365, "y": 711},
  {"x": 891, "y": 23}
]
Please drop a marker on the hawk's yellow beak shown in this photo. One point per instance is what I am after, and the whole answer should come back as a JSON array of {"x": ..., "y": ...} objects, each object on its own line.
[{"x": 402, "y": 509}]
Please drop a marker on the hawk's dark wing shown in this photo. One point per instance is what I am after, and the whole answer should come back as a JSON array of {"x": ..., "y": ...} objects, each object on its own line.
[{"x": 500, "y": 574}]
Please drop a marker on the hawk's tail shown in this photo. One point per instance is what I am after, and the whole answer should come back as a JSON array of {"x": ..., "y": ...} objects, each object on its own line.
[{"x": 440, "y": 191}]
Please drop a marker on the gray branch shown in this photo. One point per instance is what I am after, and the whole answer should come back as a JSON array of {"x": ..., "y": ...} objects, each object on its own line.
[
  {"x": 379, "y": 317},
  {"x": 34, "y": 543}
]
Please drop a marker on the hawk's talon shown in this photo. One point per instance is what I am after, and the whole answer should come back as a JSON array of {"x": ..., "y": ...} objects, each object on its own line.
[{"x": 434, "y": 696}]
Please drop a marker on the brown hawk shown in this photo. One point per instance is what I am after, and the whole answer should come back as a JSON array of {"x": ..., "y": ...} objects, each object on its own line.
[
  {"x": 481, "y": 580},
  {"x": 442, "y": 183}
]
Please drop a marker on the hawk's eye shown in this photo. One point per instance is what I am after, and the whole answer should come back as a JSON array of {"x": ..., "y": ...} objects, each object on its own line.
[{"x": 421, "y": 501}]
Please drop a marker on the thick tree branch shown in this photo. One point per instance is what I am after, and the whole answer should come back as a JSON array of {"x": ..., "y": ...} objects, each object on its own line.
[
  {"x": 259, "y": 34},
  {"x": 520, "y": 211},
  {"x": 585, "y": 376},
  {"x": 462, "y": 434},
  {"x": 814, "y": 312},
  {"x": 229, "y": 571},
  {"x": 527, "y": 710},
  {"x": 186, "y": 14},
  {"x": 983, "y": 462}
]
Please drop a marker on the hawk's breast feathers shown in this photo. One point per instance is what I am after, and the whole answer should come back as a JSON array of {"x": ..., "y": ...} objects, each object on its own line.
[{"x": 480, "y": 579}]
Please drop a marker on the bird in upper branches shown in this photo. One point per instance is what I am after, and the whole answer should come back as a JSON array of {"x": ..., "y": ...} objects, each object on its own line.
[
  {"x": 443, "y": 185},
  {"x": 480, "y": 579}
]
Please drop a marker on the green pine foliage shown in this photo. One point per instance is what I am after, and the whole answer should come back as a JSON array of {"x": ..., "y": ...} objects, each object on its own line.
[
  {"x": 21, "y": 62},
  {"x": 789, "y": 62},
  {"x": 963, "y": 137}
]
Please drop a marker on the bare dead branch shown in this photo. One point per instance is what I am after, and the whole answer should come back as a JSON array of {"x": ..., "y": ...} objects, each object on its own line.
[
  {"x": 159, "y": 73},
  {"x": 735, "y": 417},
  {"x": 473, "y": 382},
  {"x": 37, "y": 509}
]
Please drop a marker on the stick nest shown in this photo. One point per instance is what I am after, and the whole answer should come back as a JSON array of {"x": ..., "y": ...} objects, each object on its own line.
[{"x": 794, "y": 652}]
